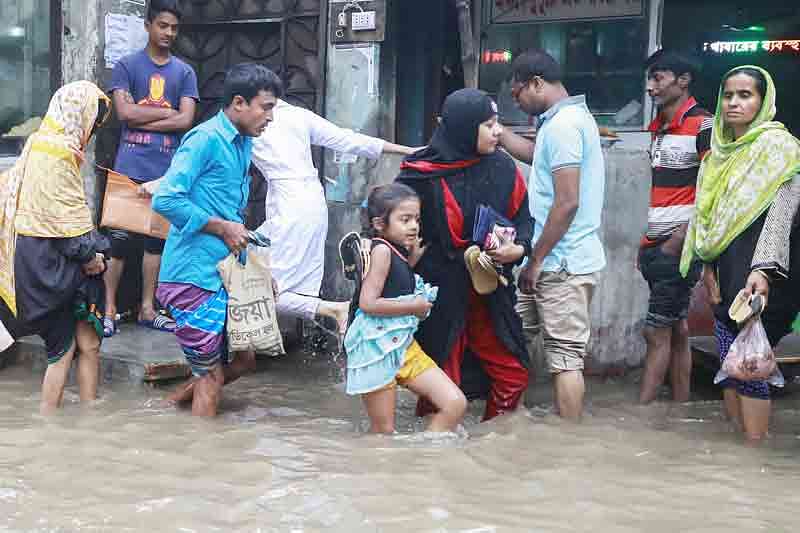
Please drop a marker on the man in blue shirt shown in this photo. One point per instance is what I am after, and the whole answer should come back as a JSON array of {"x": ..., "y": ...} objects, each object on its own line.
[
  {"x": 567, "y": 189},
  {"x": 155, "y": 95},
  {"x": 204, "y": 196}
]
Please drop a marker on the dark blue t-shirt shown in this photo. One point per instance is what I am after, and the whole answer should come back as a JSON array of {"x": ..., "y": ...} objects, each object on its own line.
[{"x": 146, "y": 155}]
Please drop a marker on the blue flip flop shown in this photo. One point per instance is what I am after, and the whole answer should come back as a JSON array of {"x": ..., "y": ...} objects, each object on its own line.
[
  {"x": 159, "y": 323},
  {"x": 109, "y": 327}
]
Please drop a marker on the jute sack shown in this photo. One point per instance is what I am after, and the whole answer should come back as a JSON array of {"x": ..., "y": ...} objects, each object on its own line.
[{"x": 252, "y": 322}]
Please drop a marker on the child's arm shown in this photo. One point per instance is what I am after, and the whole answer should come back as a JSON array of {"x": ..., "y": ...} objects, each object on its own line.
[{"x": 370, "y": 300}]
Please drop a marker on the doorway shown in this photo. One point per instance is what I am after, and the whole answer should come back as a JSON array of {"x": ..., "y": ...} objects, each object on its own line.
[{"x": 428, "y": 65}]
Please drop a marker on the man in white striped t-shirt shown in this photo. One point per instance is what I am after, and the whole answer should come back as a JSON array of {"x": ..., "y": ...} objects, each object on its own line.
[{"x": 681, "y": 137}]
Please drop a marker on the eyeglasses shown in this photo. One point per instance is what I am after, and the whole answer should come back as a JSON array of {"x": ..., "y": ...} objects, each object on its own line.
[{"x": 517, "y": 87}]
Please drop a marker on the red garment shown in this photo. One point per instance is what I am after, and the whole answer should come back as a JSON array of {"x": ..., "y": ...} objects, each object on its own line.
[
  {"x": 509, "y": 378},
  {"x": 455, "y": 217},
  {"x": 676, "y": 151}
]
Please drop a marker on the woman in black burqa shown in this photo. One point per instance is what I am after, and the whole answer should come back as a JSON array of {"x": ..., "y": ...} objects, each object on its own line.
[{"x": 477, "y": 340}]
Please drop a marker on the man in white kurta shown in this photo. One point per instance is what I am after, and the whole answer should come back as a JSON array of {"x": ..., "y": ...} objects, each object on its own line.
[{"x": 296, "y": 211}]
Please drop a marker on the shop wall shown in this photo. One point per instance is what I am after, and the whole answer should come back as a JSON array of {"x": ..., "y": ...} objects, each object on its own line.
[
  {"x": 360, "y": 94},
  {"x": 620, "y": 301}
]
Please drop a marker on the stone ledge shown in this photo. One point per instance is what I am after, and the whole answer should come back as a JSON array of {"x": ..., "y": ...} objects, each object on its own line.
[{"x": 135, "y": 354}]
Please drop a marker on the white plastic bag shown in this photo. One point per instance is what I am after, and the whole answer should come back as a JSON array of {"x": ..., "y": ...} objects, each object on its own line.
[
  {"x": 252, "y": 322},
  {"x": 751, "y": 357}
]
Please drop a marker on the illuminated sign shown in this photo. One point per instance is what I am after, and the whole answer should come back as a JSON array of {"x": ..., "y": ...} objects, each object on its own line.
[
  {"x": 551, "y": 10},
  {"x": 493, "y": 57},
  {"x": 791, "y": 46}
]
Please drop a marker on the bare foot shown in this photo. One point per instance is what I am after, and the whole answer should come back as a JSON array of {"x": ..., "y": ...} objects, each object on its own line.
[
  {"x": 339, "y": 311},
  {"x": 342, "y": 313},
  {"x": 184, "y": 393}
]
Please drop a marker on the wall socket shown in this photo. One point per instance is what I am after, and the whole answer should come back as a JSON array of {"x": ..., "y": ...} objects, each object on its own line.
[{"x": 363, "y": 20}]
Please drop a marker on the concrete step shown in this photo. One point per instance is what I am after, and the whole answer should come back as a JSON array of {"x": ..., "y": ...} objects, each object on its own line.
[{"x": 135, "y": 354}]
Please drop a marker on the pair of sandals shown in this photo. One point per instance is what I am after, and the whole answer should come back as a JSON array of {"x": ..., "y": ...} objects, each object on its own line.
[
  {"x": 483, "y": 271},
  {"x": 746, "y": 306},
  {"x": 161, "y": 322}
]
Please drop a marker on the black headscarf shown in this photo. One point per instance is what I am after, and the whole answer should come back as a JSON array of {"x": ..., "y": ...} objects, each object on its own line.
[{"x": 456, "y": 138}]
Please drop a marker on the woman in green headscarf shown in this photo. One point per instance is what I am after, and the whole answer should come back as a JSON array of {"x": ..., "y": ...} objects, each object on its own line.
[{"x": 748, "y": 192}]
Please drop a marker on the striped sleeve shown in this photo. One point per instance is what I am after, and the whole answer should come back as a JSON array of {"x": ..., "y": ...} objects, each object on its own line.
[{"x": 704, "y": 137}]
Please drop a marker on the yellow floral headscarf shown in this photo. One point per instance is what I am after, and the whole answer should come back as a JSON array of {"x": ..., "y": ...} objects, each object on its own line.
[
  {"x": 43, "y": 194},
  {"x": 738, "y": 180}
]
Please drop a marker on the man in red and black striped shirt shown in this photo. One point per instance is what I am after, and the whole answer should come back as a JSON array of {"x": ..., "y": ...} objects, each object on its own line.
[{"x": 681, "y": 137}]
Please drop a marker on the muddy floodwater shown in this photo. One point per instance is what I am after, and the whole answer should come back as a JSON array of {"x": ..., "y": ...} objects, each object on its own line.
[{"x": 289, "y": 454}]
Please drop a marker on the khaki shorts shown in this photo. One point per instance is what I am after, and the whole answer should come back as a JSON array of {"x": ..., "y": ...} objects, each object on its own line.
[{"x": 560, "y": 308}]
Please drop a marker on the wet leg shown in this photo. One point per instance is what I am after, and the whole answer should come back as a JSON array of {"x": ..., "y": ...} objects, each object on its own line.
[
  {"x": 55, "y": 378},
  {"x": 335, "y": 310},
  {"x": 448, "y": 400},
  {"x": 568, "y": 390},
  {"x": 183, "y": 393},
  {"x": 243, "y": 363},
  {"x": 730, "y": 398},
  {"x": 755, "y": 418},
  {"x": 111, "y": 280},
  {"x": 681, "y": 362},
  {"x": 151, "y": 264},
  {"x": 208, "y": 392},
  {"x": 451, "y": 369},
  {"x": 657, "y": 360},
  {"x": 88, "y": 361},
  {"x": 380, "y": 406}
]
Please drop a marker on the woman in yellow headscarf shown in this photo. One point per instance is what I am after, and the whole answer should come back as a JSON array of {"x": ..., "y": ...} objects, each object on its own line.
[
  {"x": 51, "y": 256},
  {"x": 743, "y": 231}
]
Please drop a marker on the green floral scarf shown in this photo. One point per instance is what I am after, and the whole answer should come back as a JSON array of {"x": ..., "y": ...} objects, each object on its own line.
[{"x": 739, "y": 179}]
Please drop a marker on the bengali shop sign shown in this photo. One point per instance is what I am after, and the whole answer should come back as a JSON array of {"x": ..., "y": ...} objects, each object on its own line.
[{"x": 553, "y": 10}]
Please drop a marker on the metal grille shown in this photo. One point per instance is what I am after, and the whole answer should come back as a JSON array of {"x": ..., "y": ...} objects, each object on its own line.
[{"x": 284, "y": 35}]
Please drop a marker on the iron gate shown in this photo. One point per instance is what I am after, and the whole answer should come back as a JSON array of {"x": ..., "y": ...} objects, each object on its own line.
[{"x": 285, "y": 35}]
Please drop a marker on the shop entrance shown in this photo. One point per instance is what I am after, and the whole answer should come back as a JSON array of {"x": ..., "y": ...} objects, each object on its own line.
[
  {"x": 691, "y": 25},
  {"x": 428, "y": 65}
]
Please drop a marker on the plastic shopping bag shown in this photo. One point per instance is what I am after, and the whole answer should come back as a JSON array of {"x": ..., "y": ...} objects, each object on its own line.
[
  {"x": 252, "y": 323},
  {"x": 751, "y": 358}
]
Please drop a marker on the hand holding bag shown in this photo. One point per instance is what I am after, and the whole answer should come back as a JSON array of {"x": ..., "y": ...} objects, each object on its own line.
[
  {"x": 124, "y": 209},
  {"x": 750, "y": 357},
  {"x": 252, "y": 323}
]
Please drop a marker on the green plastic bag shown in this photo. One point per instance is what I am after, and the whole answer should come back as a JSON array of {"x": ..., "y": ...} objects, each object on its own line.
[{"x": 796, "y": 325}]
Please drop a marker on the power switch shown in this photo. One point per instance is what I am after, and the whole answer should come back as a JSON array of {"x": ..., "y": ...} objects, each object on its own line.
[{"x": 363, "y": 20}]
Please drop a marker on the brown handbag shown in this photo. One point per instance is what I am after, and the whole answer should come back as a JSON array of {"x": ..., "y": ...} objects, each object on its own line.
[{"x": 124, "y": 209}]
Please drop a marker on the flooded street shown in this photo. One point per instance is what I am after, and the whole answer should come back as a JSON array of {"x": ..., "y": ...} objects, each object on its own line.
[{"x": 288, "y": 454}]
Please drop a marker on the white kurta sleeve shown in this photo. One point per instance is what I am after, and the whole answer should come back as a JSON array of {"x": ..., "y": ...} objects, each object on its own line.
[{"x": 329, "y": 135}]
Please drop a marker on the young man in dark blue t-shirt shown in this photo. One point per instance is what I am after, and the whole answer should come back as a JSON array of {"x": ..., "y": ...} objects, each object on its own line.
[{"x": 154, "y": 94}]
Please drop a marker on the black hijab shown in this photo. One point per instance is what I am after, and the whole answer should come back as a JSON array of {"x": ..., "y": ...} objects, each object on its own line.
[{"x": 456, "y": 138}]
